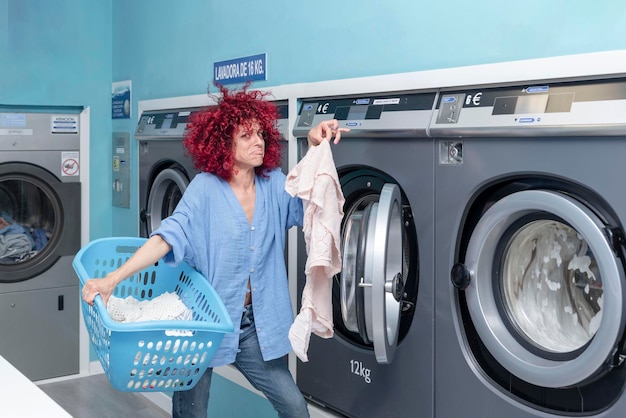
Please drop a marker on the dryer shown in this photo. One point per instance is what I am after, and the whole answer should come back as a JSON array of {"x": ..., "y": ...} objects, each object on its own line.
[
  {"x": 529, "y": 250},
  {"x": 40, "y": 228},
  {"x": 380, "y": 361},
  {"x": 165, "y": 169}
]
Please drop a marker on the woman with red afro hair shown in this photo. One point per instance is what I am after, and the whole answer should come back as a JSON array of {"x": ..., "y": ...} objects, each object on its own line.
[
  {"x": 231, "y": 226},
  {"x": 209, "y": 137}
]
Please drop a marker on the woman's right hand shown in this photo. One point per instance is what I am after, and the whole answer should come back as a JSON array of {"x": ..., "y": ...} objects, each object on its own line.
[
  {"x": 325, "y": 131},
  {"x": 148, "y": 254},
  {"x": 103, "y": 287}
]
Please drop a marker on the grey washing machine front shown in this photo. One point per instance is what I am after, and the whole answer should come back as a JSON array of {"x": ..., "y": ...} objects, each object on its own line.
[
  {"x": 40, "y": 219},
  {"x": 165, "y": 169},
  {"x": 380, "y": 361},
  {"x": 530, "y": 285}
]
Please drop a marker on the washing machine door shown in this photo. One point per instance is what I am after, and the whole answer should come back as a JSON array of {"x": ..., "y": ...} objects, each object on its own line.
[
  {"x": 546, "y": 293},
  {"x": 39, "y": 220},
  {"x": 165, "y": 192},
  {"x": 371, "y": 280}
]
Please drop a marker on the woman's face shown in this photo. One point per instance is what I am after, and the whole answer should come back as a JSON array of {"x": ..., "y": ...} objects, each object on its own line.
[{"x": 249, "y": 146}]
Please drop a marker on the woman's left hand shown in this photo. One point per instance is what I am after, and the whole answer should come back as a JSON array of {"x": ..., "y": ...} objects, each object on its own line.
[{"x": 325, "y": 131}]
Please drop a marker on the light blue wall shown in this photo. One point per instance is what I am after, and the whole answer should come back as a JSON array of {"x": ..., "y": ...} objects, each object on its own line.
[
  {"x": 4, "y": 27},
  {"x": 67, "y": 52},
  {"x": 174, "y": 44},
  {"x": 230, "y": 400},
  {"x": 58, "y": 53}
]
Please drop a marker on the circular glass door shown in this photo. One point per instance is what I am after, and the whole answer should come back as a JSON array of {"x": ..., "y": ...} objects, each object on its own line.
[
  {"x": 165, "y": 192},
  {"x": 546, "y": 290},
  {"x": 352, "y": 269},
  {"x": 383, "y": 268},
  {"x": 551, "y": 288},
  {"x": 31, "y": 221},
  {"x": 372, "y": 281}
]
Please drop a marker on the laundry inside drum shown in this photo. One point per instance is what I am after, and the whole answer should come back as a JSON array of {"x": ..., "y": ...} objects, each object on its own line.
[
  {"x": 27, "y": 220},
  {"x": 551, "y": 286}
]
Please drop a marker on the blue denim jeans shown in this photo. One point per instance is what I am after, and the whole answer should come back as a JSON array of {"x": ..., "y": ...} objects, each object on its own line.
[{"x": 272, "y": 378}]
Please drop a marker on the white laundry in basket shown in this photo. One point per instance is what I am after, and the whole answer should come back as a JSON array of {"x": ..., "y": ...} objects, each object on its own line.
[{"x": 165, "y": 307}]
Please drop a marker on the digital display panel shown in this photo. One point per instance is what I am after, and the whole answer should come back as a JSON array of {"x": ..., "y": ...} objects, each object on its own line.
[
  {"x": 531, "y": 104},
  {"x": 357, "y": 112},
  {"x": 561, "y": 102},
  {"x": 167, "y": 123}
]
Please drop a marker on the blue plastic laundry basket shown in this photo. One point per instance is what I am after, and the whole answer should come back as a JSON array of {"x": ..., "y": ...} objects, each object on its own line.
[{"x": 151, "y": 356}]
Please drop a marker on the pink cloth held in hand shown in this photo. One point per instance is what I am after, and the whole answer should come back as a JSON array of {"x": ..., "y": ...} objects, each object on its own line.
[{"x": 314, "y": 180}]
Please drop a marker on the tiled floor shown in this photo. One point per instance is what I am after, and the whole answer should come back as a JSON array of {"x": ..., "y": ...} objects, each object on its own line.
[{"x": 93, "y": 397}]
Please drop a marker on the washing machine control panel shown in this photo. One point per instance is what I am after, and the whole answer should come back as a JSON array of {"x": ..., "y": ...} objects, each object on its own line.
[
  {"x": 163, "y": 123},
  {"x": 29, "y": 131},
  {"x": 397, "y": 114},
  {"x": 172, "y": 123},
  {"x": 582, "y": 107}
]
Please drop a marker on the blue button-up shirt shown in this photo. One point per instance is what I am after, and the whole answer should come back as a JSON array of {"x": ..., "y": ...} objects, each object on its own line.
[{"x": 210, "y": 231}]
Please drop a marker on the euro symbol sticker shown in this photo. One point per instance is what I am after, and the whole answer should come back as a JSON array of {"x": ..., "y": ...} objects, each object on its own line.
[{"x": 476, "y": 99}]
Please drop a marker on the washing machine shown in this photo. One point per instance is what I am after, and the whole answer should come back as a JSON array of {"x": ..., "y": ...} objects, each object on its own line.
[
  {"x": 40, "y": 225},
  {"x": 529, "y": 250},
  {"x": 165, "y": 169},
  {"x": 379, "y": 363}
]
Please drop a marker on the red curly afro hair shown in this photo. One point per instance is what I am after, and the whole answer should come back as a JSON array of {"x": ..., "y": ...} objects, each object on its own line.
[{"x": 210, "y": 132}]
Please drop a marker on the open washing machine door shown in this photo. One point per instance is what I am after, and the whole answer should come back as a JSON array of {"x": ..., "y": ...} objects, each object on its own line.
[
  {"x": 545, "y": 289},
  {"x": 371, "y": 281}
]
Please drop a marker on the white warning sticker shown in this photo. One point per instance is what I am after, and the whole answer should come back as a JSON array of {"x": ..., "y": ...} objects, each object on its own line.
[
  {"x": 70, "y": 163},
  {"x": 64, "y": 124}
]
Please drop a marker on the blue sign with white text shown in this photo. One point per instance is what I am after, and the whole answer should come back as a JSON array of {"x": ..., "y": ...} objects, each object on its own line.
[
  {"x": 241, "y": 70},
  {"x": 121, "y": 99}
]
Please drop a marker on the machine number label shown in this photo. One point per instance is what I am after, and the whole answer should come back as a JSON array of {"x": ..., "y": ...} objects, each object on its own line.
[{"x": 357, "y": 368}]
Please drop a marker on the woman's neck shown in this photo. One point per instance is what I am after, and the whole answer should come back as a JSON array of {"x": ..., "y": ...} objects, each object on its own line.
[
  {"x": 242, "y": 180},
  {"x": 243, "y": 185}
]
